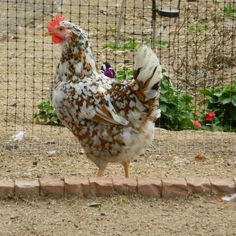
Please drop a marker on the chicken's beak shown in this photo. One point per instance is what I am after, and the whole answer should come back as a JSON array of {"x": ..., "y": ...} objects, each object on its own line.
[{"x": 47, "y": 34}]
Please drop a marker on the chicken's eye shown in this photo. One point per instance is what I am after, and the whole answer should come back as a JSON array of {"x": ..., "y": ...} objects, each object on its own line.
[{"x": 61, "y": 28}]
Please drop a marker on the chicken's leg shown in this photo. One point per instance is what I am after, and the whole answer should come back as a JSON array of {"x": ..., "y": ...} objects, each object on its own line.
[
  {"x": 126, "y": 168},
  {"x": 101, "y": 170}
]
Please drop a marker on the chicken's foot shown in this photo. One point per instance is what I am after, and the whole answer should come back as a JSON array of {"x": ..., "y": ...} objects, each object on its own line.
[
  {"x": 101, "y": 170},
  {"x": 126, "y": 168}
]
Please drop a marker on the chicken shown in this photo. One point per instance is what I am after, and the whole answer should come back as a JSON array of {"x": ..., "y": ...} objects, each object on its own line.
[{"x": 113, "y": 120}]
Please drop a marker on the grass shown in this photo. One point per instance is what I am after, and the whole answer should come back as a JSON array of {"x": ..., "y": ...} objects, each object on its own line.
[
  {"x": 229, "y": 11},
  {"x": 162, "y": 44},
  {"x": 132, "y": 44},
  {"x": 127, "y": 45},
  {"x": 198, "y": 28},
  {"x": 159, "y": 43}
]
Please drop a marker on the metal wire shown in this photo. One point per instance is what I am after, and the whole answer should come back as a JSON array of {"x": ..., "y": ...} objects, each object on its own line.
[{"x": 28, "y": 60}]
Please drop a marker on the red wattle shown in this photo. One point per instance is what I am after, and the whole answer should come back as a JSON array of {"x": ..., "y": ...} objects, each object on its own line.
[{"x": 56, "y": 40}]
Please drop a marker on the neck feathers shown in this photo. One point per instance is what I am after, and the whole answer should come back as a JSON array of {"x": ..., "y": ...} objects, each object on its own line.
[{"x": 77, "y": 59}]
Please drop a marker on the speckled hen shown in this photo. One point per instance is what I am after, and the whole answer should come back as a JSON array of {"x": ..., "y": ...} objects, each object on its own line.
[{"x": 112, "y": 120}]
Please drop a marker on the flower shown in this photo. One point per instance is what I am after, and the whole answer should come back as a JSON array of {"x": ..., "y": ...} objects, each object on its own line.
[
  {"x": 196, "y": 123},
  {"x": 107, "y": 70},
  {"x": 210, "y": 116}
]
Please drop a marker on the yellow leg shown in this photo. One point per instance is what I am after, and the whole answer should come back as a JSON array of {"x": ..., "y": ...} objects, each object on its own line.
[
  {"x": 101, "y": 170},
  {"x": 126, "y": 168}
]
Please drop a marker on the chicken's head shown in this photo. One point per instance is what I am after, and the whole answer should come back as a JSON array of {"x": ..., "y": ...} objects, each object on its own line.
[
  {"x": 58, "y": 31},
  {"x": 62, "y": 30}
]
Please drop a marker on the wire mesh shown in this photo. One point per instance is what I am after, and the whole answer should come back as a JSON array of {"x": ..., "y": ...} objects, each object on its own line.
[{"x": 197, "y": 49}]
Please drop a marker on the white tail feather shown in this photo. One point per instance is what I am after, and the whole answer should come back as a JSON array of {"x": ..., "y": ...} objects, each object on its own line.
[{"x": 147, "y": 63}]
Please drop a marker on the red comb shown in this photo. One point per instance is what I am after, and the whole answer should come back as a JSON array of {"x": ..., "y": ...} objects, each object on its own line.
[{"x": 55, "y": 21}]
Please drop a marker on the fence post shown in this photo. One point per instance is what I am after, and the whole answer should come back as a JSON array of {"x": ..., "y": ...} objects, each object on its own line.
[{"x": 154, "y": 16}]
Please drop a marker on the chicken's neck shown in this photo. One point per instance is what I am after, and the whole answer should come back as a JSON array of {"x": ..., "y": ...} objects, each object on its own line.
[{"x": 76, "y": 60}]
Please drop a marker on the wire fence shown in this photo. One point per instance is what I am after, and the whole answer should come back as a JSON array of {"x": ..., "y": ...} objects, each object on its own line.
[{"x": 197, "y": 50}]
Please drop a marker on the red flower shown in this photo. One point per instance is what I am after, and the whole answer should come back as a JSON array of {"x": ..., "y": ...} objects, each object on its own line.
[
  {"x": 196, "y": 123},
  {"x": 210, "y": 116}
]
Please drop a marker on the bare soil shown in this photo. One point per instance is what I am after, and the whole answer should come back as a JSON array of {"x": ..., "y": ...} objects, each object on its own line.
[
  {"x": 118, "y": 216},
  {"x": 171, "y": 154}
]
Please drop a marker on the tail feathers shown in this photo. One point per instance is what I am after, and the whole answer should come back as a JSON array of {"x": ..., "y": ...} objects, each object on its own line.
[{"x": 148, "y": 71}]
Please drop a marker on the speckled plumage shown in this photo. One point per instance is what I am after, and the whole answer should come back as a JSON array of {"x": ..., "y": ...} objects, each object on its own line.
[{"x": 112, "y": 120}]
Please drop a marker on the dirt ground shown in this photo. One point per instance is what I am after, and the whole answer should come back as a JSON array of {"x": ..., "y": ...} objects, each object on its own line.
[
  {"x": 118, "y": 216},
  {"x": 171, "y": 154}
]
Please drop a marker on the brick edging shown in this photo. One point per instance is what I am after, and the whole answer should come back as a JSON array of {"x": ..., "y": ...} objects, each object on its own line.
[{"x": 107, "y": 186}]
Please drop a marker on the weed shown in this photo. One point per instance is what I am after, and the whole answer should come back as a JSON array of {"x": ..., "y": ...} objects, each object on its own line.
[
  {"x": 47, "y": 114},
  {"x": 198, "y": 28},
  {"x": 128, "y": 45},
  {"x": 124, "y": 74},
  {"x": 229, "y": 11}
]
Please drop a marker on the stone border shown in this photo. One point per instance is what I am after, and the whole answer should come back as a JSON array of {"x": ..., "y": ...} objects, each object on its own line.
[{"x": 107, "y": 186}]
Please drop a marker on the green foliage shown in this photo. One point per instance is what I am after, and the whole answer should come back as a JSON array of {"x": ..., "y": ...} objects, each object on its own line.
[
  {"x": 176, "y": 108},
  {"x": 124, "y": 74},
  {"x": 162, "y": 44},
  {"x": 47, "y": 114},
  {"x": 229, "y": 11},
  {"x": 127, "y": 45},
  {"x": 159, "y": 43},
  {"x": 197, "y": 28},
  {"x": 132, "y": 44},
  {"x": 222, "y": 100}
]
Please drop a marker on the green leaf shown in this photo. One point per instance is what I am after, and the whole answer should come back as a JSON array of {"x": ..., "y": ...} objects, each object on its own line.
[
  {"x": 164, "y": 99},
  {"x": 124, "y": 73},
  {"x": 218, "y": 93},
  {"x": 162, "y": 44},
  {"x": 206, "y": 91},
  {"x": 226, "y": 100},
  {"x": 163, "y": 107},
  {"x": 234, "y": 100},
  {"x": 46, "y": 114}
]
